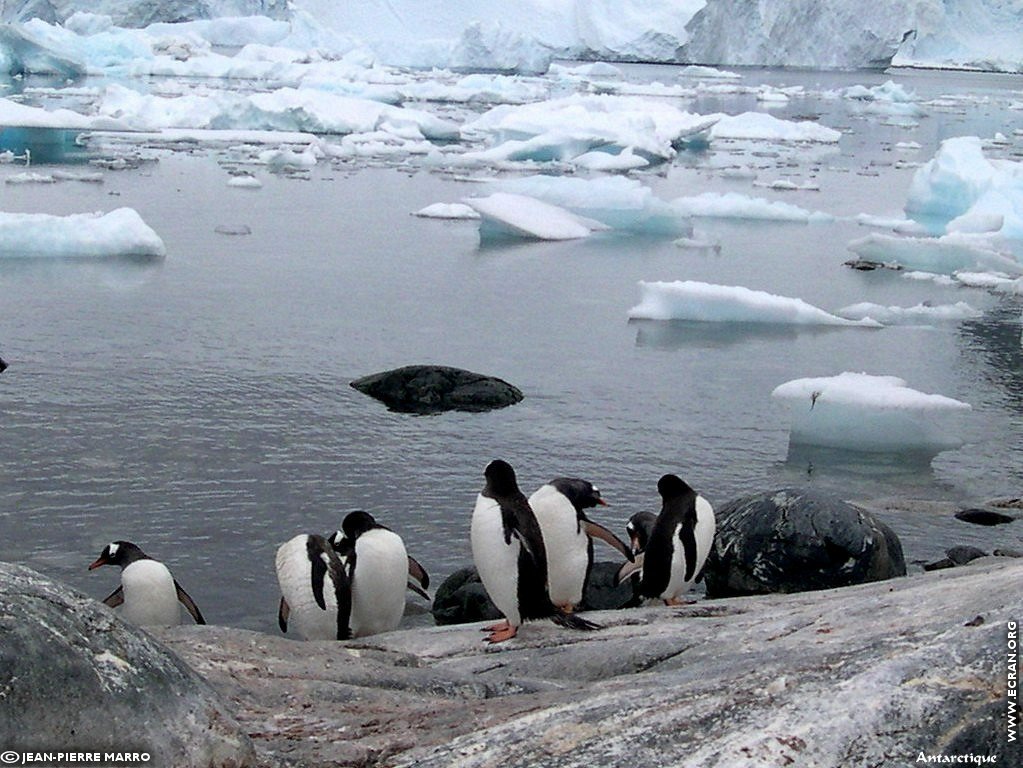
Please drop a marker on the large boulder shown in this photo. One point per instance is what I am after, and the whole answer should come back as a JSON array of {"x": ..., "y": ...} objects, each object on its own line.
[
  {"x": 795, "y": 540},
  {"x": 437, "y": 388},
  {"x": 73, "y": 676}
]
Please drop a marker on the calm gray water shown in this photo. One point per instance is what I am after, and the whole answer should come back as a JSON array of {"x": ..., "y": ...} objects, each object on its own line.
[{"x": 200, "y": 406}]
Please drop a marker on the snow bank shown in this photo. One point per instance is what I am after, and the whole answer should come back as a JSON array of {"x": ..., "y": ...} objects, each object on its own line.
[
  {"x": 861, "y": 412},
  {"x": 120, "y": 233},
  {"x": 959, "y": 180},
  {"x": 705, "y": 302}
]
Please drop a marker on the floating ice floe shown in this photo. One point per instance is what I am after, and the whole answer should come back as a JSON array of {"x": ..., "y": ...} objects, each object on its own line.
[
  {"x": 758, "y": 126},
  {"x": 709, "y": 303},
  {"x": 504, "y": 214},
  {"x": 617, "y": 202},
  {"x": 863, "y": 412},
  {"x": 734, "y": 205},
  {"x": 960, "y": 180},
  {"x": 921, "y": 314},
  {"x": 120, "y": 233},
  {"x": 244, "y": 181},
  {"x": 943, "y": 255},
  {"x": 561, "y": 129},
  {"x": 447, "y": 211}
]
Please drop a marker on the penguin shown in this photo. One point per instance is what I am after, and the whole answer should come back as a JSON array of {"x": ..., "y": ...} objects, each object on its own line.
[
  {"x": 568, "y": 535},
  {"x": 315, "y": 590},
  {"x": 148, "y": 594},
  {"x": 677, "y": 546},
  {"x": 510, "y": 556},
  {"x": 378, "y": 568},
  {"x": 639, "y": 528}
]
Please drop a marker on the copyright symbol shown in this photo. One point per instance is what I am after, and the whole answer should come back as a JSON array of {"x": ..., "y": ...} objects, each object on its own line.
[{"x": 9, "y": 757}]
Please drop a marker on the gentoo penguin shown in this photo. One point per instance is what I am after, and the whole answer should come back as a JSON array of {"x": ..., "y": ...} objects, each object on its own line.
[
  {"x": 510, "y": 556},
  {"x": 678, "y": 545},
  {"x": 148, "y": 594},
  {"x": 568, "y": 535},
  {"x": 315, "y": 591},
  {"x": 639, "y": 528},
  {"x": 378, "y": 568}
]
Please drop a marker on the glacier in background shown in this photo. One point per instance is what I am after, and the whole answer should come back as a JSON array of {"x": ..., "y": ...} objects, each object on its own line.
[{"x": 527, "y": 35}]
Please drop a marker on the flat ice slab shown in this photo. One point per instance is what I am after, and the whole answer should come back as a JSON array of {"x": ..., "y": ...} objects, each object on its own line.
[
  {"x": 506, "y": 214},
  {"x": 863, "y": 412},
  {"x": 120, "y": 233},
  {"x": 706, "y": 302}
]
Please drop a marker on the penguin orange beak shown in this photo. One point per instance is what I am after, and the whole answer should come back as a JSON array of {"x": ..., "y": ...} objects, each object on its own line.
[
  {"x": 603, "y": 503},
  {"x": 99, "y": 561}
]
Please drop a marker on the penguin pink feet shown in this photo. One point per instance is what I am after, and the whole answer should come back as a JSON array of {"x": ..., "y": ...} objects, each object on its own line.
[
  {"x": 498, "y": 627},
  {"x": 500, "y": 635}
]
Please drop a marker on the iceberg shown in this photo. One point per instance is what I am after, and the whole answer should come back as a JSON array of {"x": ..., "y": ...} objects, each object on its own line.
[
  {"x": 120, "y": 233},
  {"x": 619, "y": 203},
  {"x": 758, "y": 126},
  {"x": 504, "y": 214},
  {"x": 959, "y": 180},
  {"x": 447, "y": 211},
  {"x": 708, "y": 303},
  {"x": 921, "y": 314},
  {"x": 863, "y": 412},
  {"x": 734, "y": 205},
  {"x": 942, "y": 255}
]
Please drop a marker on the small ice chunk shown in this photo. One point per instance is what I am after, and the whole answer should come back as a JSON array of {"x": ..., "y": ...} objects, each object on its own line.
[
  {"x": 447, "y": 211},
  {"x": 121, "y": 232},
  {"x": 863, "y": 412},
  {"x": 29, "y": 177},
  {"x": 733, "y": 205},
  {"x": 503, "y": 213},
  {"x": 709, "y": 303},
  {"x": 626, "y": 160},
  {"x": 758, "y": 126},
  {"x": 245, "y": 181}
]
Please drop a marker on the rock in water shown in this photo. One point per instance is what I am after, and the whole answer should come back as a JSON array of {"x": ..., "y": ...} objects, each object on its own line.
[
  {"x": 795, "y": 540},
  {"x": 980, "y": 516},
  {"x": 461, "y": 598},
  {"x": 437, "y": 388},
  {"x": 76, "y": 677}
]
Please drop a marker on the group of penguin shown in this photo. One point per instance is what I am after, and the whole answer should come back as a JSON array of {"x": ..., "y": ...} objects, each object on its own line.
[{"x": 532, "y": 555}]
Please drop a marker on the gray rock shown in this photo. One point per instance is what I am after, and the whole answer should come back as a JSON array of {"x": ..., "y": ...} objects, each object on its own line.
[
  {"x": 437, "y": 388},
  {"x": 964, "y": 553},
  {"x": 793, "y": 540},
  {"x": 865, "y": 675},
  {"x": 73, "y": 676}
]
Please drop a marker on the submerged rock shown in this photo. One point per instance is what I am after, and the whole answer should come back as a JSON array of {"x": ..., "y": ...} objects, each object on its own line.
[
  {"x": 980, "y": 516},
  {"x": 794, "y": 540},
  {"x": 75, "y": 677},
  {"x": 437, "y": 388}
]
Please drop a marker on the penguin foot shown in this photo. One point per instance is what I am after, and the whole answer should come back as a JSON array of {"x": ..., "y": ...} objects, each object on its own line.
[
  {"x": 499, "y": 627},
  {"x": 500, "y": 635},
  {"x": 567, "y": 607},
  {"x": 675, "y": 602}
]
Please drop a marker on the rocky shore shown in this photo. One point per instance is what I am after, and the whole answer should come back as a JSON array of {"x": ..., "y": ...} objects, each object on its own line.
[{"x": 869, "y": 675}]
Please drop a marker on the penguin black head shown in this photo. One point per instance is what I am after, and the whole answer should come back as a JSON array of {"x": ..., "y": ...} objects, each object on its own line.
[
  {"x": 672, "y": 486},
  {"x": 500, "y": 478},
  {"x": 582, "y": 493},
  {"x": 639, "y": 528},
  {"x": 357, "y": 523},
  {"x": 122, "y": 553}
]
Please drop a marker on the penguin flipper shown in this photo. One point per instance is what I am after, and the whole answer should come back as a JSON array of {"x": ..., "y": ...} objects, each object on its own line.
[
  {"x": 418, "y": 572},
  {"x": 283, "y": 612},
  {"x": 186, "y": 600},
  {"x": 597, "y": 531},
  {"x": 418, "y": 590},
  {"x": 115, "y": 598},
  {"x": 317, "y": 550},
  {"x": 343, "y": 595},
  {"x": 629, "y": 568},
  {"x": 688, "y": 537}
]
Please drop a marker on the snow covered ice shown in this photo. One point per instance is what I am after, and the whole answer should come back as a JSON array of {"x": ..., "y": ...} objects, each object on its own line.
[
  {"x": 504, "y": 214},
  {"x": 120, "y": 233},
  {"x": 704, "y": 302},
  {"x": 863, "y": 412}
]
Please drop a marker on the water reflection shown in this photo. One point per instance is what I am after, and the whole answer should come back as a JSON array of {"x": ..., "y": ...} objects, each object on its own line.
[
  {"x": 43, "y": 145},
  {"x": 678, "y": 334},
  {"x": 995, "y": 338}
]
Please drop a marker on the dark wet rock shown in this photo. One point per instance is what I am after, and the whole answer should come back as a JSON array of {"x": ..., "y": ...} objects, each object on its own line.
[
  {"x": 73, "y": 676},
  {"x": 980, "y": 516},
  {"x": 601, "y": 593},
  {"x": 867, "y": 265},
  {"x": 461, "y": 598},
  {"x": 963, "y": 553},
  {"x": 437, "y": 388},
  {"x": 718, "y": 684},
  {"x": 1007, "y": 553},
  {"x": 794, "y": 540},
  {"x": 939, "y": 565}
]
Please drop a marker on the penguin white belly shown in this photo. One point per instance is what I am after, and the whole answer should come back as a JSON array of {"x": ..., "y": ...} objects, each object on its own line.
[
  {"x": 705, "y": 527},
  {"x": 150, "y": 597},
  {"x": 294, "y": 575},
  {"x": 704, "y": 535},
  {"x": 676, "y": 576},
  {"x": 379, "y": 582},
  {"x": 566, "y": 543},
  {"x": 496, "y": 561}
]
